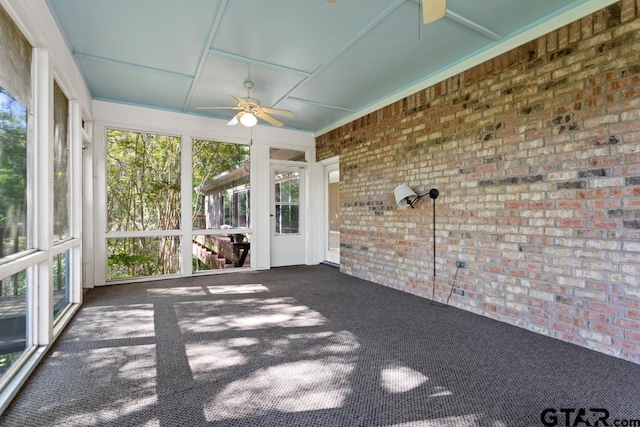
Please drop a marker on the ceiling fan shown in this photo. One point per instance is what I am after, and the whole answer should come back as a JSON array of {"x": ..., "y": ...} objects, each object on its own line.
[
  {"x": 432, "y": 10},
  {"x": 251, "y": 110}
]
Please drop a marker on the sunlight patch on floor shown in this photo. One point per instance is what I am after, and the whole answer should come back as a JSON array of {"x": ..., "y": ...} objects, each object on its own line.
[
  {"x": 313, "y": 344},
  {"x": 400, "y": 379},
  {"x": 113, "y": 322},
  {"x": 305, "y": 385},
  {"x": 207, "y": 357},
  {"x": 461, "y": 421},
  {"x": 245, "y": 314},
  {"x": 439, "y": 392},
  {"x": 124, "y": 376},
  {"x": 191, "y": 291}
]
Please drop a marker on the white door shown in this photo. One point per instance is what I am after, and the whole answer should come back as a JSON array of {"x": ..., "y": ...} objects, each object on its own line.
[
  {"x": 287, "y": 215},
  {"x": 332, "y": 213}
]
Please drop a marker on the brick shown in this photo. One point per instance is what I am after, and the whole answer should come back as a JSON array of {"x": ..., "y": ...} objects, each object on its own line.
[
  {"x": 633, "y": 314},
  {"x": 535, "y": 155}
]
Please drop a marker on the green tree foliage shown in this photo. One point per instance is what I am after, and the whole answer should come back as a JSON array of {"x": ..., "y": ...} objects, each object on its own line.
[
  {"x": 143, "y": 181},
  {"x": 13, "y": 173}
]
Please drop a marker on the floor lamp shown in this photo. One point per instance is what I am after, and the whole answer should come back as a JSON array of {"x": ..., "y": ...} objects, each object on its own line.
[{"x": 406, "y": 197}]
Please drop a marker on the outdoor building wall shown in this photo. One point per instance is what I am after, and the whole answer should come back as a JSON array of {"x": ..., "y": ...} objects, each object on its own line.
[{"x": 536, "y": 155}]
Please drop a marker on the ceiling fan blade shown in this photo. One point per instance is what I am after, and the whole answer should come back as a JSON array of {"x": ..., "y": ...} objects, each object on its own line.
[
  {"x": 241, "y": 101},
  {"x": 218, "y": 108},
  {"x": 235, "y": 119},
  {"x": 267, "y": 118},
  {"x": 432, "y": 10},
  {"x": 277, "y": 111}
]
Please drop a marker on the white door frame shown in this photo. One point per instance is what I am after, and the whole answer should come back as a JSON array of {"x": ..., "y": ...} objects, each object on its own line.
[{"x": 330, "y": 164}]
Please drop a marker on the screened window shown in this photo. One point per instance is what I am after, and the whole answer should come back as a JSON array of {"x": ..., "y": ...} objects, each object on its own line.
[
  {"x": 143, "y": 195},
  {"x": 143, "y": 181},
  {"x": 61, "y": 276},
  {"x": 15, "y": 204},
  {"x": 220, "y": 173},
  {"x": 13, "y": 319},
  {"x": 143, "y": 256},
  {"x": 61, "y": 194},
  {"x": 220, "y": 202}
]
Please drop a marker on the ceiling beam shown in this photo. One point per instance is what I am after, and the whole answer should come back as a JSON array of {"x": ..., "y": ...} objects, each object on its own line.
[
  {"x": 473, "y": 25},
  {"x": 320, "y": 104},
  {"x": 205, "y": 53},
  {"x": 257, "y": 62},
  {"x": 130, "y": 65}
]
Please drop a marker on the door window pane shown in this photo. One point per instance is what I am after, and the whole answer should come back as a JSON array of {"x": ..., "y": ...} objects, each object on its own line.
[
  {"x": 60, "y": 164},
  {"x": 334, "y": 210},
  {"x": 13, "y": 175},
  {"x": 287, "y": 219},
  {"x": 287, "y": 198},
  {"x": 13, "y": 321}
]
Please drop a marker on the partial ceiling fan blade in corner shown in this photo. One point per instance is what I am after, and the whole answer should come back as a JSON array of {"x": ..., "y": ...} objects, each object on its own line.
[
  {"x": 277, "y": 111},
  {"x": 218, "y": 108},
  {"x": 267, "y": 118},
  {"x": 432, "y": 10}
]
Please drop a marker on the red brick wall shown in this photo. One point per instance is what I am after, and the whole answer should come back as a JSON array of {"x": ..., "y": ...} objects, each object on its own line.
[{"x": 537, "y": 158}]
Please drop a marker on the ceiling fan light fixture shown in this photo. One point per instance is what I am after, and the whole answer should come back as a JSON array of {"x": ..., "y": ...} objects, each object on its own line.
[
  {"x": 233, "y": 121},
  {"x": 248, "y": 120}
]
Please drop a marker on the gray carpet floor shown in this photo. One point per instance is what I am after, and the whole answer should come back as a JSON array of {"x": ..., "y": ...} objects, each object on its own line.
[{"x": 309, "y": 346}]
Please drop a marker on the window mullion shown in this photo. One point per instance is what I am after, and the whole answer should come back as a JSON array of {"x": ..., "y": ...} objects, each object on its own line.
[{"x": 41, "y": 316}]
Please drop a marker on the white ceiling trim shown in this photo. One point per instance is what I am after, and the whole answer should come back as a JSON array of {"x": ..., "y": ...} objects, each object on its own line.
[{"x": 535, "y": 30}]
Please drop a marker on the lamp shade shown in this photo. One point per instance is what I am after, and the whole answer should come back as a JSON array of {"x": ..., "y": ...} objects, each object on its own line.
[
  {"x": 401, "y": 193},
  {"x": 248, "y": 120}
]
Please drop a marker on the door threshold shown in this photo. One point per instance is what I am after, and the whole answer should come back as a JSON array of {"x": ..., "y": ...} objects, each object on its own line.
[{"x": 331, "y": 264}]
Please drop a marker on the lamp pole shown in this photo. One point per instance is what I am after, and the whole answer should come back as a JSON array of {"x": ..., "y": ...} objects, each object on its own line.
[{"x": 433, "y": 193}]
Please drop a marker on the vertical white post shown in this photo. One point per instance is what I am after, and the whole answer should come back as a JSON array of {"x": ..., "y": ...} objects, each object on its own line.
[
  {"x": 314, "y": 205},
  {"x": 75, "y": 184},
  {"x": 260, "y": 207},
  {"x": 186, "y": 174},
  {"x": 88, "y": 276},
  {"x": 43, "y": 195},
  {"x": 100, "y": 205}
]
